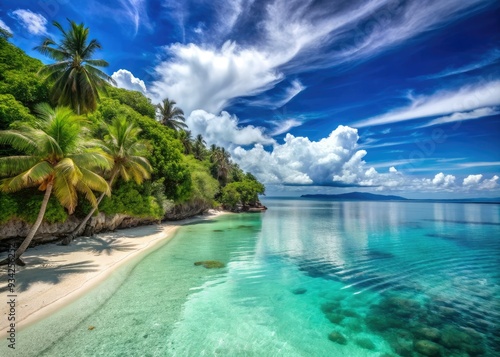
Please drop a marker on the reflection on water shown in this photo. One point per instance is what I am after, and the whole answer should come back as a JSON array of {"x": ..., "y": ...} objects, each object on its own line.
[{"x": 305, "y": 278}]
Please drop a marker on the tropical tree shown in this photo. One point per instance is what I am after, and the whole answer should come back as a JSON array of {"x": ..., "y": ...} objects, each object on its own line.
[
  {"x": 170, "y": 115},
  {"x": 199, "y": 147},
  {"x": 123, "y": 146},
  {"x": 76, "y": 78},
  {"x": 59, "y": 158},
  {"x": 187, "y": 141},
  {"x": 221, "y": 164}
]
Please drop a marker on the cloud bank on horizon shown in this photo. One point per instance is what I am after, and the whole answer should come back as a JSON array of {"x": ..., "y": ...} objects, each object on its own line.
[{"x": 250, "y": 59}]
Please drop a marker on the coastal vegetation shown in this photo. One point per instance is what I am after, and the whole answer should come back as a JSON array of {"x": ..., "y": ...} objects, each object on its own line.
[{"x": 73, "y": 144}]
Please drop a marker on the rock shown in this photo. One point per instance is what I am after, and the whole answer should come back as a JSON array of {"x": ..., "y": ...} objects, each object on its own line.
[
  {"x": 299, "y": 291},
  {"x": 210, "y": 264},
  {"x": 330, "y": 306},
  {"x": 334, "y": 317},
  {"x": 428, "y": 333},
  {"x": 337, "y": 337},
  {"x": 187, "y": 209},
  {"x": 365, "y": 343},
  {"x": 350, "y": 313},
  {"x": 353, "y": 325},
  {"x": 427, "y": 348},
  {"x": 453, "y": 337}
]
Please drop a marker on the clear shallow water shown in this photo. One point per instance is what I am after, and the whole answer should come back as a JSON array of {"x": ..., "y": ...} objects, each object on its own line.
[{"x": 306, "y": 278}]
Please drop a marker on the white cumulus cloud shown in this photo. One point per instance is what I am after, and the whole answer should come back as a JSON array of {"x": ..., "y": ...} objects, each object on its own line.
[
  {"x": 224, "y": 129},
  {"x": 208, "y": 79},
  {"x": 442, "y": 180},
  {"x": 125, "y": 79},
  {"x": 31, "y": 21},
  {"x": 472, "y": 180}
]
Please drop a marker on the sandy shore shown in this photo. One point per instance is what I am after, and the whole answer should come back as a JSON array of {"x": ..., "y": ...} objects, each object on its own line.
[{"x": 56, "y": 275}]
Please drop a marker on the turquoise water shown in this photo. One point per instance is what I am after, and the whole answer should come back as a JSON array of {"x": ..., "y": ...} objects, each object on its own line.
[{"x": 305, "y": 278}]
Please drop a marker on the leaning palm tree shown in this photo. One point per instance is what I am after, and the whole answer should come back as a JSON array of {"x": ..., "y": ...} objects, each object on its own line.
[
  {"x": 76, "y": 78},
  {"x": 170, "y": 115},
  {"x": 59, "y": 159},
  {"x": 122, "y": 145}
]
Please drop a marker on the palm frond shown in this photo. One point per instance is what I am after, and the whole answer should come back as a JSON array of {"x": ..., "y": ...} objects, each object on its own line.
[
  {"x": 13, "y": 165},
  {"x": 19, "y": 141},
  {"x": 29, "y": 178}
]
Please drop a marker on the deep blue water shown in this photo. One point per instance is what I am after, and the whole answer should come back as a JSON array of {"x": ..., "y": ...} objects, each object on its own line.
[{"x": 305, "y": 278}]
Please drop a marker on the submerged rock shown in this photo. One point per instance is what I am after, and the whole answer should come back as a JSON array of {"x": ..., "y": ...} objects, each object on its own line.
[
  {"x": 211, "y": 264},
  {"x": 330, "y": 306},
  {"x": 428, "y": 333},
  {"x": 299, "y": 291},
  {"x": 334, "y": 317},
  {"x": 365, "y": 343},
  {"x": 337, "y": 337},
  {"x": 427, "y": 348}
]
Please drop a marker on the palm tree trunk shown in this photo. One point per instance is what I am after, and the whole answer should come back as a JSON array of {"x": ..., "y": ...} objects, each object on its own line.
[
  {"x": 26, "y": 242},
  {"x": 79, "y": 230}
]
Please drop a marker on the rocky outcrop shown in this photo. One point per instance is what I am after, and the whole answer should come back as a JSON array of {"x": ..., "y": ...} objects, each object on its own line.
[
  {"x": 187, "y": 209},
  {"x": 254, "y": 208},
  {"x": 14, "y": 231}
]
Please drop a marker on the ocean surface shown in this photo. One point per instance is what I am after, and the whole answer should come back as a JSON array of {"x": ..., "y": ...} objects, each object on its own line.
[{"x": 306, "y": 278}]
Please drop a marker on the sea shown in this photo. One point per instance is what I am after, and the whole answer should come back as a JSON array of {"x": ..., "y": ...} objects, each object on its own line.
[{"x": 305, "y": 278}]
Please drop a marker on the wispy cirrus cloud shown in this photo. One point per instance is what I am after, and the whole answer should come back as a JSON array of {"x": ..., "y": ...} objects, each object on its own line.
[
  {"x": 464, "y": 99},
  {"x": 284, "y": 126},
  {"x": 136, "y": 12},
  {"x": 479, "y": 164},
  {"x": 34, "y": 23},
  {"x": 291, "y": 37},
  {"x": 461, "y": 116},
  {"x": 280, "y": 100},
  {"x": 489, "y": 58}
]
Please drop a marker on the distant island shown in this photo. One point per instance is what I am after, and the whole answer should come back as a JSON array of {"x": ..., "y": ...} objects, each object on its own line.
[
  {"x": 357, "y": 196},
  {"x": 365, "y": 196}
]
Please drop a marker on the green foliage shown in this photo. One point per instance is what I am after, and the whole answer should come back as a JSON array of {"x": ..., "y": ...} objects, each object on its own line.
[
  {"x": 245, "y": 192},
  {"x": 132, "y": 199},
  {"x": 231, "y": 195},
  {"x": 135, "y": 100},
  {"x": 205, "y": 187},
  {"x": 26, "y": 87},
  {"x": 165, "y": 154},
  {"x": 12, "y": 110},
  {"x": 25, "y": 205},
  {"x": 13, "y": 58},
  {"x": 9, "y": 207},
  {"x": 18, "y": 75},
  {"x": 55, "y": 213}
]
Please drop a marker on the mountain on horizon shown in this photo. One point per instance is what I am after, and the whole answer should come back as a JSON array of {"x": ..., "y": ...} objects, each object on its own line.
[
  {"x": 365, "y": 196},
  {"x": 357, "y": 196}
]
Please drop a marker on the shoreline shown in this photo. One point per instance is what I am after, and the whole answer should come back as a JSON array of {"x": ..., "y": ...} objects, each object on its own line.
[{"x": 57, "y": 275}]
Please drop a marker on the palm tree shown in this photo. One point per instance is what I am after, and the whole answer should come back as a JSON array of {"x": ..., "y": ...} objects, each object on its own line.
[
  {"x": 169, "y": 115},
  {"x": 187, "y": 141},
  {"x": 122, "y": 145},
  {"x": 220, "y": 159},
  {"x": 75, "y": 74},
  {"x": 199, "y": 147},
  {"x": 59, "y": 159}
]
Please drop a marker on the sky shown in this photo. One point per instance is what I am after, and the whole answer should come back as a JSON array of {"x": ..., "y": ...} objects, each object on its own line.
[{"x": 382, "y": 96}]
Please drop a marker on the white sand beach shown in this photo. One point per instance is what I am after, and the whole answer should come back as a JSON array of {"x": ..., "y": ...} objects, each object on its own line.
[{"x": 56, "y": 275}]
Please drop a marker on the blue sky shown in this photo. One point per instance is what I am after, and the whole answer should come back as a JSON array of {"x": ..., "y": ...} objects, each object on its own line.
[{"x": 391, "y": 97}]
